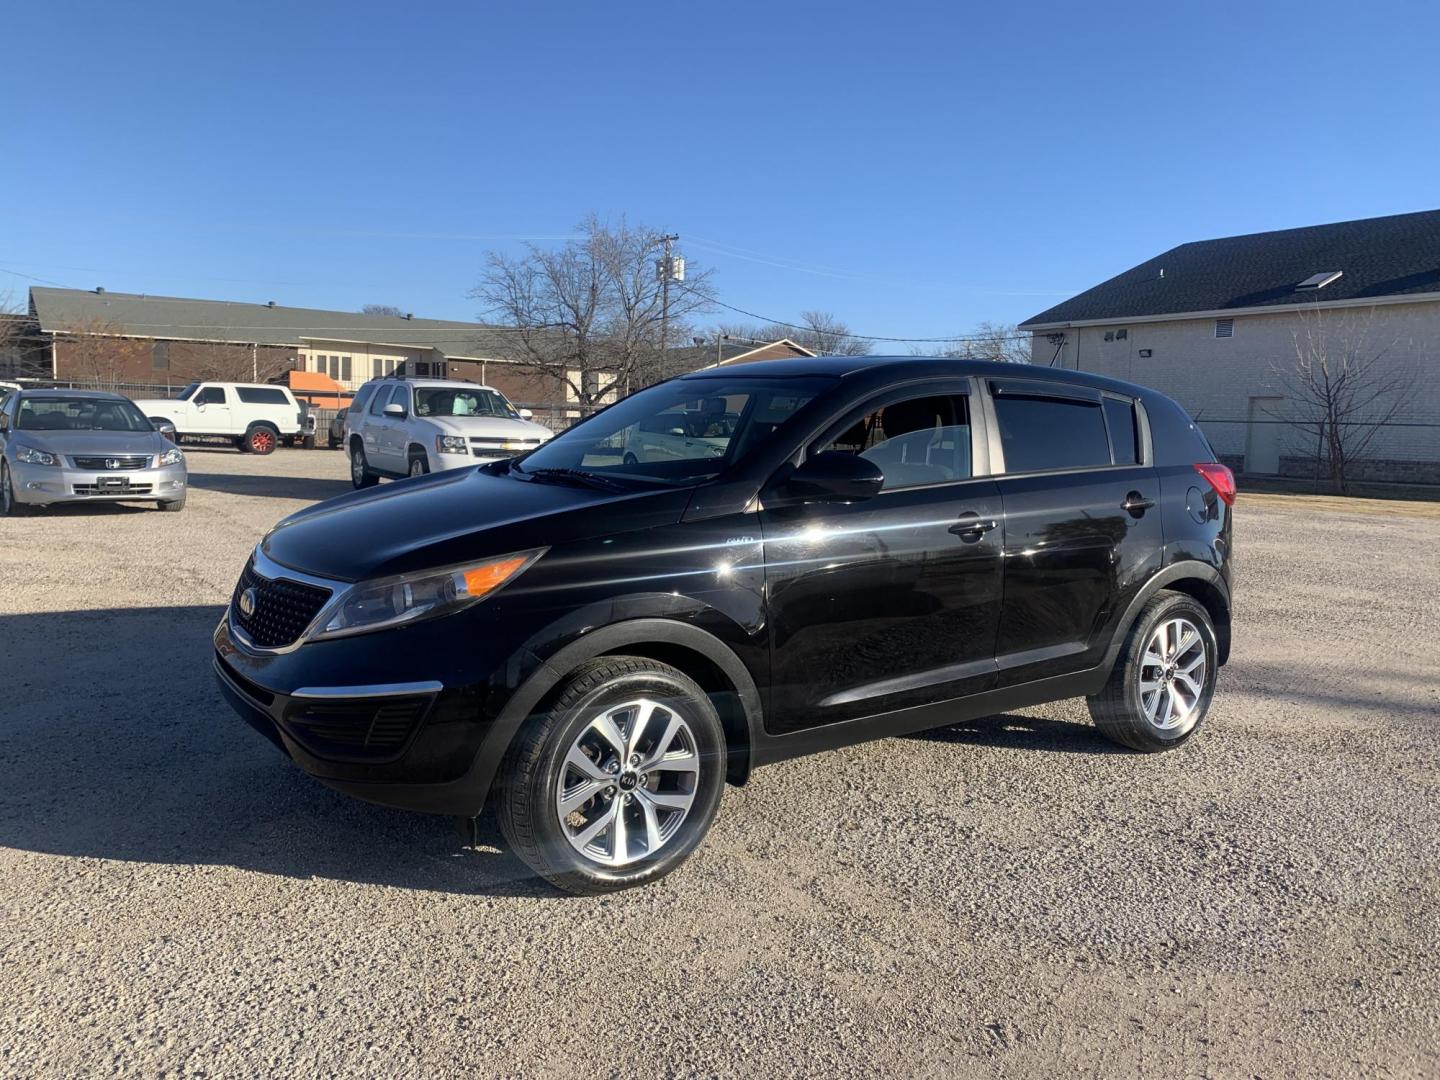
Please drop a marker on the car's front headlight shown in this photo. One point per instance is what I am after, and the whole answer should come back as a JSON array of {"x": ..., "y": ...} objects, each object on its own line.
[
  {"x": 173, "y": 456},
  {"x": 451, "y": 444},
  {"x": 30, "y": 456},
  {"x": 394, "y": 601}
]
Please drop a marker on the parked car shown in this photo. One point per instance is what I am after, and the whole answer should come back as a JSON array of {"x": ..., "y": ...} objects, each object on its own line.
[
  {"x": 885, "y": 545},
  {"x": 409, "y": 427},
  {"x": 254, "y": 416},
  {"x": 337, "y": 429},
  {"x": 64, "y": 446}
]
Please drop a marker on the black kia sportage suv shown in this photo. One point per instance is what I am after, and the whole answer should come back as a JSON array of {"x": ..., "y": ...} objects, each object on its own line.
[{"x": 732, "y": 568}]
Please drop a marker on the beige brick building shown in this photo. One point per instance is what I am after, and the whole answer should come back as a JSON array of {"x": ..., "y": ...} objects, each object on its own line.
[{"x": 1219, "y": 326}]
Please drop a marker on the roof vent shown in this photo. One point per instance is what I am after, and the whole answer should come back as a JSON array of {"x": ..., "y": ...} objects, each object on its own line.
[
  {"x": 269, "y": 303},
  {"x": 1224, "y": 328},
  {"x": 1320, "y": 280},
  {"x": 99, "y": 289},
  {"x": 409, "y": 315}
]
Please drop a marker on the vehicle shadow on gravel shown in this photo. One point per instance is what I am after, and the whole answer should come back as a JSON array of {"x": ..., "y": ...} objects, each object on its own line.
[
  {"x": 307, "y": 488},
  {"x": 115, "y": 744},
  {"x": 1015, "y": 731}
]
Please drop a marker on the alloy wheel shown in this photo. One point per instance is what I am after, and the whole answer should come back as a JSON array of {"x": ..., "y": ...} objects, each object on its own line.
[
  {"x": 417, "y": 467},
  {"x": 628, "y": 782},
  {"x": 7, "y": 496},
  {"x": 1173, "y": 669},
  {"x": 357, "y": 466}
]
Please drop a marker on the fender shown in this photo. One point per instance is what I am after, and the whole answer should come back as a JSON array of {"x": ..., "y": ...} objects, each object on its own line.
[
  {"x": 465, "y": 797},
  {"x": 1175, "y": 572}
]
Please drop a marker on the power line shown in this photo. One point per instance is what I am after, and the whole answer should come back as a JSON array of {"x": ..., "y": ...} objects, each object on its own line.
[{"x": 855, "y": 333}]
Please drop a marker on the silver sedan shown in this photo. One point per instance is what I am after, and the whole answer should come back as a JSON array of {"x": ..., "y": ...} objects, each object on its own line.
[{"x": 65, "y": 446}]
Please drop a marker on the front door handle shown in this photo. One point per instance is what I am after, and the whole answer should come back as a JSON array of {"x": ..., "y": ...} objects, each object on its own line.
[
  {"x": 1136, "y": 504},
  {"x": 972, "y": 526}
]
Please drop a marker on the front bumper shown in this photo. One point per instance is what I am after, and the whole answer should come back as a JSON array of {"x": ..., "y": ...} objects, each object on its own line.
[
  {"x": 370, "y": 716},
  {"x": 45, "y": 485}
]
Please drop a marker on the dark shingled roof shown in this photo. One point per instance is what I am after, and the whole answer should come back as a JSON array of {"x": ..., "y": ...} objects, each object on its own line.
[
  {"x": 1385, "y": 256},
  {"x": 61, "y": 310}
]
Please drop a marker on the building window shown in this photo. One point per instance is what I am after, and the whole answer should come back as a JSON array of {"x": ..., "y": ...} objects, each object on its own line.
[
  {"x": 160, "y": 356},
  {"x": 344, "y": 369},
  {"x": 1224, "y": 328},
  {"x": 377, "y": 368}
]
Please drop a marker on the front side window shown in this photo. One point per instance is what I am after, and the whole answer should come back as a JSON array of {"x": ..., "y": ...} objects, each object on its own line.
[
  {"x": 80, "y": 414},
  {"x": 382, "y": 398},
  {"x": 918, "y": 441},
  {"x": 211, "y": 395},
  {"x": 1042, "y": 433},
  {"x": 462, "y": 401},
  {"x": 684, "y": 431}
]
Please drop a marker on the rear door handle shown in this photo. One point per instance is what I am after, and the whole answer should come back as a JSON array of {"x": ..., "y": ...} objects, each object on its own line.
[
  {"x": 1136, "y": 503},
  {"x": 972, "y": 526}
]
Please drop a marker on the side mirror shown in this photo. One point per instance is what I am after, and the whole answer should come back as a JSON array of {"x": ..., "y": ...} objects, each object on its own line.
[
  {"x": 395, "y": 410},
  {"x": 167, "y": 430},
  {"x": 527, "y": 414},
  {"x": 831, "y": 477}
]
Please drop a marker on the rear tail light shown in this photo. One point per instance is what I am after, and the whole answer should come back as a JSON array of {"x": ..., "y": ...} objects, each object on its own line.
[{"x": 1221, "y": 479}]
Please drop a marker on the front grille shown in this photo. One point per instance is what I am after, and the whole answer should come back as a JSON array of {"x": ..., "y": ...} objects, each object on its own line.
[
  {"x": 486, "y": 446},
  {"x": 357, "y": 728},
  {"x": 122, "y": 461},
  {"x": 282, "y": 611},
  {"x": 123, "y": 488}
]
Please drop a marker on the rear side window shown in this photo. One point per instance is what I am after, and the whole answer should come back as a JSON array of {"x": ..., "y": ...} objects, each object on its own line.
[
  {"x": 1042, "y": 433},
  {"x": 261, "y": 395},
  {"x": 1174, "y": 438},
  {"x": 1124, "y": 432}
]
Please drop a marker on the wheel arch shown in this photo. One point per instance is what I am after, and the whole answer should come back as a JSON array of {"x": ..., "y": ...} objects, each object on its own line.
[{"x": 1195, "y": 579}]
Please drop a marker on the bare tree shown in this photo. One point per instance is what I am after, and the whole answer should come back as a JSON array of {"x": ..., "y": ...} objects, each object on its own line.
[
  {"x": 1341, "y": 393},
  {"x": 588, "y": 314},
  {"x": 12, "y": 333},
  {"x": 1001, "y": 342},
  {"x": 96, "y": 352},
  {"x": 819, "y": 331},
  {"x": 381, "y": 309}
]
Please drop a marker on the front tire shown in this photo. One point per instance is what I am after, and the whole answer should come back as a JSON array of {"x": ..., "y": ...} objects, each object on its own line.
[
  {"x": 360, "y": 474},
  {"x": 174, "y": 506},
  {"x": 618, "y": 781},
  {"x": 1160, "y": 688},
  {"x": 419, "y": 466},
  {"x": 10, "y": 506}
]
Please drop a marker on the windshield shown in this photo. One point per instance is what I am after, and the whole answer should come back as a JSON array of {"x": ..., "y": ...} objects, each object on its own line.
[
  {"x": 185, "y": 394},
  {"x": 457, "y": 401},
  {"x": 682, "y": 431},
  {"x": 80, "y": 414}
]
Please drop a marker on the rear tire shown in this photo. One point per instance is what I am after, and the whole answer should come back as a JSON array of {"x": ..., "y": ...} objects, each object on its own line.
[
  {"x": 262, "y": 439},
  {"x": 650, "y": 750},
  {"x": 308, "y": 442},
  {"x": 1164, "y": 678}
]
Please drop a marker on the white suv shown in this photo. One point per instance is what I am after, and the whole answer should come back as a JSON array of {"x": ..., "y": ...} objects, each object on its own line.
[
  {"x": 409, "y": 427},
  {"x": 254, "y": 416}
]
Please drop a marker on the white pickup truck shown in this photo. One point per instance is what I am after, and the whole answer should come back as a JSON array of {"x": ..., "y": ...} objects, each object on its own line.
[{"x": 254, "y": 416}]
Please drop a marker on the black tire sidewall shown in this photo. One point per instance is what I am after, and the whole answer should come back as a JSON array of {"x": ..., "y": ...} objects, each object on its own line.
[
  {"x": 565, "y": 865},
  {"x": 1174, "y": 605}
]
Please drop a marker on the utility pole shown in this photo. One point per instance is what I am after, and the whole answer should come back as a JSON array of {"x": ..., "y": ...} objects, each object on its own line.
[{"x": 666, "y": 269}]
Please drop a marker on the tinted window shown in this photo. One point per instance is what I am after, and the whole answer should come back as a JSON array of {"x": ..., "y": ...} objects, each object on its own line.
[
  {"x": 918, "y": 441},
  {"x": 401, "y": 396},
  {"x": 381, "y": 397},
  {"x": 1040, "y": 433},
  {"x": 261, "y": 395},
  {"x": 361, "y": 397},
  {"x": 211, "y": 395},
  {"x": 718, "y": 422},
  {"x": 1124, "y": 433}
]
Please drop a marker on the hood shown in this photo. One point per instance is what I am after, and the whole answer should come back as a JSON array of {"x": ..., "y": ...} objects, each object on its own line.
[
  {"x": 498, "y": 427},
  {"x": 456, "y": 517},
  {"x": 67, "y": 443}
]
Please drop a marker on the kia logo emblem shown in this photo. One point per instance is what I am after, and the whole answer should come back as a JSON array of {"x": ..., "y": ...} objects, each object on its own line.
[
  {"x": 112, "y": 463},
  {"x": 247, "y": 603}
]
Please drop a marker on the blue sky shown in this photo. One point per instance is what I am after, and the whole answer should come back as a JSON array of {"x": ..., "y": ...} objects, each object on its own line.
[{"x": 913, "y": 167}]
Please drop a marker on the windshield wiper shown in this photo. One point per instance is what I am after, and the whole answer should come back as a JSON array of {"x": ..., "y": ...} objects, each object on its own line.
[{"x": 595, "y": 480}]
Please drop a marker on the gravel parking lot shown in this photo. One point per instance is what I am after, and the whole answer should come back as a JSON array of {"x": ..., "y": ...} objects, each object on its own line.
[{"x": 1012, "y": 896}]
